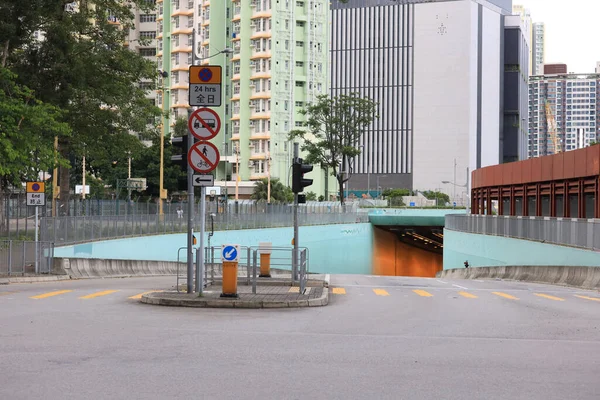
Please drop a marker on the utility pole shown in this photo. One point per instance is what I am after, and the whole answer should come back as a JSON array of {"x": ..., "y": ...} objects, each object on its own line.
[
  {"x": 83, "y": 179},
  {"x": 268, "y": 178},
  {"x": 190, "y": 192}
]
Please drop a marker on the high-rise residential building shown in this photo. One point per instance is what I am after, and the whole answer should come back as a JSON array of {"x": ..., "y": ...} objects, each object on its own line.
[
  {"x": 435, "y": 68},
  {"x": 514, "y": 133},
  {"x": 598, "y": 67},
  {"x": 564, "y": 112},
  {"x": 527, "y": 28},
  {"x": 142, "y": 40},
  {"x": 539, "y": 47},
  {"x": 278, "y": 61}
]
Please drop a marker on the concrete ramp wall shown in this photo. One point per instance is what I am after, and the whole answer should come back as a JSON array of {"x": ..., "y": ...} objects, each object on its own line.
[
  {"x": 96, "y": 267},
  {"x": 581, "y": 277}
]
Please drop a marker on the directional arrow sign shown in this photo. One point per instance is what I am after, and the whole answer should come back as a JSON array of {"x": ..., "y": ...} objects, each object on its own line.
[
  {"x": 204, "y": 180},
  {"x": 230, "y": 252},
  {"x": 203, "y": 157}
]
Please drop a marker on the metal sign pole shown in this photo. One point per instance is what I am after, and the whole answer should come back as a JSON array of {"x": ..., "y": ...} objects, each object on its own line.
[
  {"x": 295, "y": 255},
  {"x": 200, "y": 264},
  {"x": 190, "y": 227},
  {"x": 37, "y": 263}
]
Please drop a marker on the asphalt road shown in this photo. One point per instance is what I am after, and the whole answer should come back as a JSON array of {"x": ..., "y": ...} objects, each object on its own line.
[{"x": 380, "y": 338}]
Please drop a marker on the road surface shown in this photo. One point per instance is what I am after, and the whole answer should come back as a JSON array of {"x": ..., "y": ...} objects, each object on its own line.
[{"x": 380, "y": 338}]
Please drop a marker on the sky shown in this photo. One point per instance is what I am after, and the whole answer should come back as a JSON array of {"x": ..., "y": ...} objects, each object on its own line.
[{"x": 571, "y": 31}]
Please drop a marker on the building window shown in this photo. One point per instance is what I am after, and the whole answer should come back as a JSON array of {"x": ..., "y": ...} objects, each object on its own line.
[
  {"x": 299, "y": 4},
  {"x": 147, "y": 34},
  {"x": 299, "y": 84},
  {"x": 299, "y": 43},
  {"x": 147, "y": 18},
  {"x": 148, "y": 52},
  {"x": 299, "y": 63}
]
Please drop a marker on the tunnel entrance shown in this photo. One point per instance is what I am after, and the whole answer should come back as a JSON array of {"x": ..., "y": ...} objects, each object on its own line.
[{"x": 408, "y": 250}]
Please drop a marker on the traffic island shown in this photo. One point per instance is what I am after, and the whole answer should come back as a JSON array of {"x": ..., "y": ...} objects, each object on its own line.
[{"x": 265, "y": 297}]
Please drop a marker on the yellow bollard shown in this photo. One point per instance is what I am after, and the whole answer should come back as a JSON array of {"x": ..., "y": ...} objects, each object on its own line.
[
  {"x": 230, "y": 275},
  {"x": 264, "y": 249}
]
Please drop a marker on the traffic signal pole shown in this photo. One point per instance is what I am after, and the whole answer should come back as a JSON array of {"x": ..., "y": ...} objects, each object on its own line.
[{"x": 295, "y": 255}]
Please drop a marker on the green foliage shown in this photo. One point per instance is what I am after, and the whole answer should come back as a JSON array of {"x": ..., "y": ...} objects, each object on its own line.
[
  {"x": 27, "y": 130},
  {"x": 334, "y": 128},
  {"x": 82, "y": 68},
  {"x": 321, "y": 198},
  {"x": 396, "y": 192},
  {"x": 442, "y": 198},
  {"x": 279, "y": 192},
  {"x": 311, "y": 196}
]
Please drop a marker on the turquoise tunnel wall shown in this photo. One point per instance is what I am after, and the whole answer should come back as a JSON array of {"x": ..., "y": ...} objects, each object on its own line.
[
  {"x": 496, "y": 251},
  {"x": 335, "y": 249}
]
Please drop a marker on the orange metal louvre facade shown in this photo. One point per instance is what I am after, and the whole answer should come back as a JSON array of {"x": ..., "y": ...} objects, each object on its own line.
[{"x": 561, "y": 185}]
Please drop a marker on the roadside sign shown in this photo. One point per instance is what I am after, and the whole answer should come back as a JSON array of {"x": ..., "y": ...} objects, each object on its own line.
[
  {"x": 35, "y": 187},
  {"x": 413, "y": 204},
  {"x": 204, "y": 123},
  {"x": 230, "y": 252},
  {"x": 35, "y": 194},
  {"x": 203, "y": 180},
  {"x": 205, "y": 85},
  {"x": 203, "y": 157}
]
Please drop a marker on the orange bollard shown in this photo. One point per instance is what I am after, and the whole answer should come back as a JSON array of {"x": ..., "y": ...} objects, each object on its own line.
[
  {"x": 230, "y": 275},
  {"x": 264, "y": 249}
]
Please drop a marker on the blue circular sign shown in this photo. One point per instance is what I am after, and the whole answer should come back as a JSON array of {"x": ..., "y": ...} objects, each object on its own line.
[
  {"x": 229, "y": 253},
  {"x": 205, "y": 74},
  {"x": 36, "y": 186}
]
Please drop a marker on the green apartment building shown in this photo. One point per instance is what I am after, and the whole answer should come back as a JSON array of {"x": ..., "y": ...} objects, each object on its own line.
[{"x": 278, "y": 62}]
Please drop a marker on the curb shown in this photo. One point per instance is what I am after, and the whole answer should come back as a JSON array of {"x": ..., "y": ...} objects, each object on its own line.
[
  {"x": 155, "y": 299},
  {"x": 34, "y": 279}
]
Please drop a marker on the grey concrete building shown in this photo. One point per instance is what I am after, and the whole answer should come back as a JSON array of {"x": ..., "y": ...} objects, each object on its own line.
[{"x": 435, "y": 68}]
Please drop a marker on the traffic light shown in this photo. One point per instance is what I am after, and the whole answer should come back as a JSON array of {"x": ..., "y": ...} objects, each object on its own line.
[
  {"x": 180, "y": 150},
  {"x": 298, "y": 180}
]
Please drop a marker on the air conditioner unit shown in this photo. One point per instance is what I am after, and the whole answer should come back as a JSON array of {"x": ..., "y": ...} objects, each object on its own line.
[
  {"x": 251, "y": 145},
  {"x": 252, "y": 63},
  {"x": 250, "y": 163},
  {"x": 251, "y": 104},
  {"x": 251, "y": 124}
]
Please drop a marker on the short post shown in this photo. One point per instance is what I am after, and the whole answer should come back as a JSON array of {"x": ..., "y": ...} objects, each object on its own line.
[
  {"x": 230, "y": 257},
  {"x": 254, "y": 272},
  {"x": 264, "y": 249},
  {"x": 199, "y": 271}
]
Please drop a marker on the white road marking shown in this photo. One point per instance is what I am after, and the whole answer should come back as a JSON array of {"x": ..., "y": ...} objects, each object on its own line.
[
  {"x": 460, "y": 287},
  {"x": 440, "y": 281}
]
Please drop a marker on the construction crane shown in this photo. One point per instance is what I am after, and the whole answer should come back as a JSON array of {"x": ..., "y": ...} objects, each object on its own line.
[{"x": 551, "y": 122}]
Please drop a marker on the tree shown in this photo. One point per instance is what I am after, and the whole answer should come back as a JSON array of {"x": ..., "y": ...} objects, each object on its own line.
[
  {"x": 279, "y": 192},
  {"x": 83, "y": 68},
  {"x": 311, "y": 196},
  {"x": 334, "y": 127},
  {"x": 441, "y": 198},
  {"x": 27, "y": 130}
]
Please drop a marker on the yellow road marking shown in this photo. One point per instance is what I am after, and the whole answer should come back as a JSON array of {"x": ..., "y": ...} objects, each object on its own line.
[
  {"x": 139, "y": 296},
  {"x": 588, "y": 298},
  {"x": 294, "y": 289},
  {"x": 7, "y": 293},
  {"x": 98, "y": 294},
  {"x": 381, "y": 292},
  {"x": 506, "y": 296},
  {"x": 467, "y": 295},
  {"x": 423, "y": 293},
  {"x": 50, "y": 294},
  {"x": 547, "y": 296},
  {"x": 339, "y": 290}
]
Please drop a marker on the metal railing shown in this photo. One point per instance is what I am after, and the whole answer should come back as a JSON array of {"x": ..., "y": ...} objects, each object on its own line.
[
  {"x": 248, "y": 265},
  {"x": 583, "y": 233},
  {"x": 70, "y": 230},
  {"x": 18, "y": 257}
]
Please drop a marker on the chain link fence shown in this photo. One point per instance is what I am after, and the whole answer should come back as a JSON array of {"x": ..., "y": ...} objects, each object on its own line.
[
  {"x": 583, "y": 233},
  {"x": 70, "y": 230},
  {"x": 18, "y": 257}
]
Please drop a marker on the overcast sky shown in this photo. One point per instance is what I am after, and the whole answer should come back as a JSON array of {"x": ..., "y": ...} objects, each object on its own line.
[{"x": 572, "y": 35}]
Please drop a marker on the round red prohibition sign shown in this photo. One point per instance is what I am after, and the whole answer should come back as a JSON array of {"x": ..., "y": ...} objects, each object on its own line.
[
  {"x": 204, "y": 123},
  {"x": 203, "y": 157}
]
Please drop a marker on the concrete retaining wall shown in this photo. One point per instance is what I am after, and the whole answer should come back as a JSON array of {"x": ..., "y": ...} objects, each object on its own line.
[
  {"x": 96, "y": 268},
  {"x": 581, "y": 277}
]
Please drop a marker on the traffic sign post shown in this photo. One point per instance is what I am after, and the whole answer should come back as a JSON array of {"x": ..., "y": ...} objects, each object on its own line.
[
  {"x": 230, "y": 255},
  {"x": 203, "y": 157},
  {"x": 36, "y": 197},
  {"x": 204, "y": 123},
  {"x": 205, "y": 85}
]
